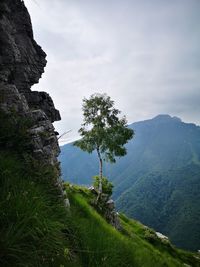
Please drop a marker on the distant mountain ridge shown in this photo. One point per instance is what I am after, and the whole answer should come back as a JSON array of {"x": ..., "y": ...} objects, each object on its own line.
[{"x": 157, "y": 182}]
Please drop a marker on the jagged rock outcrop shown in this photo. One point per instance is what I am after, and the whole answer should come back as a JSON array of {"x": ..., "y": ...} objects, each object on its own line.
[
  {"x": 22, "y": 63},
  {"x": 106, "y": 206},
  {"x": 111, "y": 215}
]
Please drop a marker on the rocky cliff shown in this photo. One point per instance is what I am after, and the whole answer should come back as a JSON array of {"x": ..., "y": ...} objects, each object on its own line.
[{"x": 22, "y": 63}]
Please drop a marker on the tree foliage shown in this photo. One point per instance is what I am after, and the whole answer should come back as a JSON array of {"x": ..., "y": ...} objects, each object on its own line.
[
  {"x": 103, "y": 130},
  {"x": 107, "y": 186}
]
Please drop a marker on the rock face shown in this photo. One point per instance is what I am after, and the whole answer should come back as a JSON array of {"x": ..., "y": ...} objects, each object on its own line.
[
  {"x": 106, "y": 207},
  {"x": 22, "y": 63},
  {"x": 111, "y": 215}
]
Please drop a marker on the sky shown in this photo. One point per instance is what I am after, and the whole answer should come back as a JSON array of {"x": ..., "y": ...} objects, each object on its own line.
[{"x": 145, "y": 54}]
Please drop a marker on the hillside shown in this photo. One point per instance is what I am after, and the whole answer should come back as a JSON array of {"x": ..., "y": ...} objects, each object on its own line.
[
  {"x": 38, "y": 230},
  {"x": 99, "y": 244},
  {"x": 161, "y": 169}
]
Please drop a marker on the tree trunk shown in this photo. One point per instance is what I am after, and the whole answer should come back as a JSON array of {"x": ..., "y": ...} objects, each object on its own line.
[{"x": 100, "y": 175}]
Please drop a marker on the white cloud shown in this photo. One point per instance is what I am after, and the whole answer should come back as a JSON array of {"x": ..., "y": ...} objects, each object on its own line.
[{"x": 144, "y": 54}]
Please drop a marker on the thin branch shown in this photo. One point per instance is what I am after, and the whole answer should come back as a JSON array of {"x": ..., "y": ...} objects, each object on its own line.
[{"x": 64, "y": 134}]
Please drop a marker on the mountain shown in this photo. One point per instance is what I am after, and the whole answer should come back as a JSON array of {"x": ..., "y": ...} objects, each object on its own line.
[{"x": 157, "y": 182}]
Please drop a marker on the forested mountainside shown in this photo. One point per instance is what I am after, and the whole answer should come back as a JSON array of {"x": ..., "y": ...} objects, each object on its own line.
[{"x": 157, "y": 181}]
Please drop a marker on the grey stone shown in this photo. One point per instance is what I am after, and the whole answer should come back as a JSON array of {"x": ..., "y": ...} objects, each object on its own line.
[
  {"x": 161, "y": 236},
  {"x": 93, "y": 190},
  {"x": 111, "y": 215},
  {"x": 43, "y": 101},
  {"x": 22, "y": 63},
  {"x": 67, "y": 203},
  {"x": 37, "y": 130},
  {"x": 110, "y": 204}
]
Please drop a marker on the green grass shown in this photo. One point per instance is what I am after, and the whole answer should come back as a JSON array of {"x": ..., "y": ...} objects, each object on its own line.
[
  {"x": 136, "y": 230},
  {"x": 37, "y": 230},
  {"x": 99, "y": 244},
  {"x": 32, "y": 218}
]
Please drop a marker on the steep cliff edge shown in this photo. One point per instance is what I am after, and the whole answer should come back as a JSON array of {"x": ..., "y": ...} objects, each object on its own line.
[
  {"x": 22, "y": 63},
  {"x": 32, "y": 210}
]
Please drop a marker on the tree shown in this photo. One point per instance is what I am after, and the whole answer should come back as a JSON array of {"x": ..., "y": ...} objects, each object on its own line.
[{"x": 103, "y": 131}]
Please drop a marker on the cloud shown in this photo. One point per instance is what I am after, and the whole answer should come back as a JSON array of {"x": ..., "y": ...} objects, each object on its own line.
[{"x": 144, "y": 54}]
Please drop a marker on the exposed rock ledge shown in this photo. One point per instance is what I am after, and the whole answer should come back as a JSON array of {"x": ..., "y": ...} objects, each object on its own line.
[{"x": 22, "y": 63}]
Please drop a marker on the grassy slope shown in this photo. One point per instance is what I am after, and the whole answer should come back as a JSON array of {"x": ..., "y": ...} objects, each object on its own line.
[
  {"x": 99, "y": 244},
  {"x": 36, "y": 230},
  {"x": 157, "y": 182},
  {"x": 32, "y": 217}
]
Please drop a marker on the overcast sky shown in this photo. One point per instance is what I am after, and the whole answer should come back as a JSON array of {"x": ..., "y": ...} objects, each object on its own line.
[{"x": 145, "y": 54}]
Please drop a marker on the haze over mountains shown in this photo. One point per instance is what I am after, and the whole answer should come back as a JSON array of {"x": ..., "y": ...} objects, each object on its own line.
[{"x": 158, "y": 182}]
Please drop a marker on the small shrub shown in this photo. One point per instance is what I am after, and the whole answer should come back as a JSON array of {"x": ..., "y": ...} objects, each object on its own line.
[{"x": 107, "y": 186}]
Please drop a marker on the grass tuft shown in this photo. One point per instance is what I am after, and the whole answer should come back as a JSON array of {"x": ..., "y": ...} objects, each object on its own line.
[{"x": 32, "y": 219}]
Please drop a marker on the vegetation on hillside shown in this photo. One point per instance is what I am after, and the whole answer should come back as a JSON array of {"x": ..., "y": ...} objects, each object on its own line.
[
  {"x": 36, "y": 229},
  {"x": 157, "y": 182},
  {"x": 32, "y": 215},
  {"x": 99, "y": 244},
  {"x": 170, "y": 206}
]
